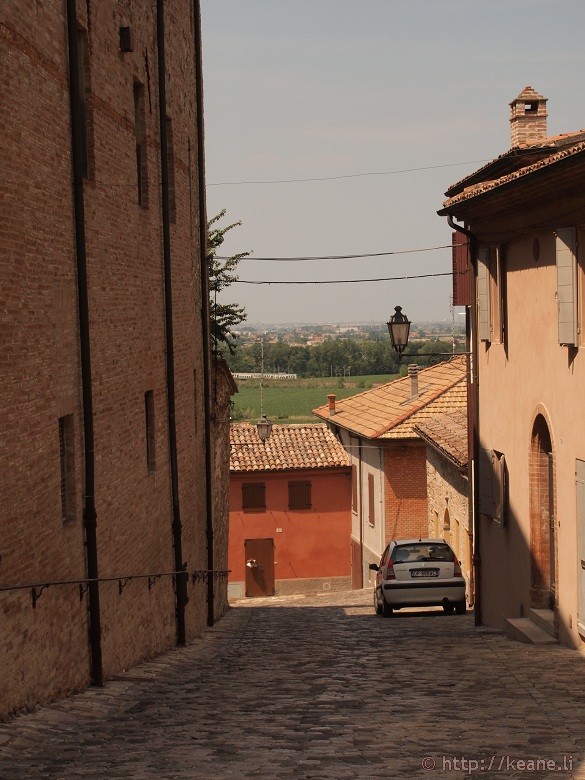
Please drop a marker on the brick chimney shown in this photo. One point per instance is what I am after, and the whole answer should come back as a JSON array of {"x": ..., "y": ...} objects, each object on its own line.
[
  {"x": 331, "y": 402},
  {"x": 528, "y": 117},
  {"x": 413, "y": 374}
]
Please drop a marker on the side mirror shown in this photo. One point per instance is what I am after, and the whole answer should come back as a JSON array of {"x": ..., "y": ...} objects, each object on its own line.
[{"x": 374, "y": 567}]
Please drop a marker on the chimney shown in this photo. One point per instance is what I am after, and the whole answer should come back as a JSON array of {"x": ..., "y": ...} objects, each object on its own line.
[
  {"x": 528, "y": 118},
  {"x": 413, "y": 374},
  {"x": 331, "y": 402}
]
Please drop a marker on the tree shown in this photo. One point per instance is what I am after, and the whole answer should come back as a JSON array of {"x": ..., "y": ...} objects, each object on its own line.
[{"x": 224, "y": 316}]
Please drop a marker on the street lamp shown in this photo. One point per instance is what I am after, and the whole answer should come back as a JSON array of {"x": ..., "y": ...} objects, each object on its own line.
[
  {"x": 399, "y": 328},
  {"x": 264, "y": 427}
]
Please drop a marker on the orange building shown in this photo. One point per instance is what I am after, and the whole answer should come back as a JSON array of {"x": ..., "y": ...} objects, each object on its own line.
[{"x": 290, "y": 512}]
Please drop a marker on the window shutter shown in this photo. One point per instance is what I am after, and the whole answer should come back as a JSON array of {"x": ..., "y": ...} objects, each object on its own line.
[
  {"x": 372, "y": 513},
  {"x": 566, "y": 251},
  {"x": 461, "y": 270},
  {"x": 486, "y": 482},
  {"x": 299, "y": 495},
  {"x": 253, "y": 495},
  {"x": 500, "y": 491},
  {"x": 483, "y": 294},
  {"x": 354, "y": 488}
]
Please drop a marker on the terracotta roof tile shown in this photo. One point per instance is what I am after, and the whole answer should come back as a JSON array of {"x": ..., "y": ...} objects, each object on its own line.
[
  {"x": 289, "y": 447},
  {"x": 388, "y": 412},
  {"x": 447, "y": 433}
]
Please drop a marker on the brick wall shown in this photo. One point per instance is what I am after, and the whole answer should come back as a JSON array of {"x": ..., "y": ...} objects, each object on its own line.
[
  {"x": 45, "y": 650},
  {"x": 405, "y": 487}
]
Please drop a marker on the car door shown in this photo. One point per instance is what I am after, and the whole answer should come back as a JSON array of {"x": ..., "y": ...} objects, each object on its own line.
[{"x": 381, "y": 573}]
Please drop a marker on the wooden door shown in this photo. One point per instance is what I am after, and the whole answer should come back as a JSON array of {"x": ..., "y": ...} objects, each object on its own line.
[
  {"x": 356, "y": 565},
  {"x": 259, "y": 554}
]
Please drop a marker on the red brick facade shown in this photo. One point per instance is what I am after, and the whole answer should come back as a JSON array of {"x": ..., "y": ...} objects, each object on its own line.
[
  {"x": 45, "y": 650},
  {"x": 405, "y": 490}
]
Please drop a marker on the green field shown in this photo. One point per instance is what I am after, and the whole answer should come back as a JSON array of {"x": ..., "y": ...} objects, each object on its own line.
[{"x": 292, "y": 401}]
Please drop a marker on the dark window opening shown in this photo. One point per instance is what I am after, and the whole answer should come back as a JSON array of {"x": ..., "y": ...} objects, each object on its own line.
[
  {"x": 299, "y": 495},
  {"x": 67, "y": 463},
  {"x": 140, "y": 138},
  {"x": 254, "y": 495}
]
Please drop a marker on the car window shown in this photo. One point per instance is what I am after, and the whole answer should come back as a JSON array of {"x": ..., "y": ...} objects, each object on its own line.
[
  {"x": 422, "y": 551},
  {"x": 384, "y": 556}
]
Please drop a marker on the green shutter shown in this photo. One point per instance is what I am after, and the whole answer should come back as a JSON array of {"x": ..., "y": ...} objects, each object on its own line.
[
  {"x": 483, "y": 294},
  {"x": 566, "y": 252}
]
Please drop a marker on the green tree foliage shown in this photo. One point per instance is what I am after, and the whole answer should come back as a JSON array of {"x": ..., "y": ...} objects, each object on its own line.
[{"x": 224, "y": 316}]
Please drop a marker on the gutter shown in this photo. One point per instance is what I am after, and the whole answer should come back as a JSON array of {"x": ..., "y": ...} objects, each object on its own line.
[
  {"x": 473, "y": 421},
  {"x": 205, "y": 313},
  {"x": 180, "y": 582},
  {"x": 89, "y": 510}
]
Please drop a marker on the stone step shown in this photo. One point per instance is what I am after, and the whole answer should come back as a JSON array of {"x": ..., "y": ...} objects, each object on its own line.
[
  {"x": 545, "y": 619},
  {"x": 524, "y": 630}
]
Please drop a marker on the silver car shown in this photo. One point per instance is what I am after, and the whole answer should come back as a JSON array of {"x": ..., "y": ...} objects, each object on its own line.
[{"x": 419, "y": 573}]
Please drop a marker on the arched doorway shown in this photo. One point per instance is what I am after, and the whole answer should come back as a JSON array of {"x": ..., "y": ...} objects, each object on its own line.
[{"x": 542, "y": 518}]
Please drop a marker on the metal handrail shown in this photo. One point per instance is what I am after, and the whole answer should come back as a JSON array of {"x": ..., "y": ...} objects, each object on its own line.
[{"x": 37, "y": 588}]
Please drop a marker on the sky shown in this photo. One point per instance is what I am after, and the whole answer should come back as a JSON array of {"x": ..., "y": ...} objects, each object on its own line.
[{"x": 387, "y": 103}]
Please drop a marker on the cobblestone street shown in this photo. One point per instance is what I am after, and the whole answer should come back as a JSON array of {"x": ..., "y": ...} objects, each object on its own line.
[{"x": 319, "y": 687}]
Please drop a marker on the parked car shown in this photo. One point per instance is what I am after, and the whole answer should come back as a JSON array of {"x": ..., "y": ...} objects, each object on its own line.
[{"x": 418, "y": 573}]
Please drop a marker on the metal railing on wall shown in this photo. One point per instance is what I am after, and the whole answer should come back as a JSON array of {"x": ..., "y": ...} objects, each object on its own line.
[{"x": 37, "y": 588}]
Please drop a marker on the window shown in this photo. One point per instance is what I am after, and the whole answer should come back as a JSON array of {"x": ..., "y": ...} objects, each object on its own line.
[
  {"x": 566, "y": 257},
  {"x": 171, "y": 165},
  {"x": 354, "y": 488},
  {"x": 299, "y": 495},
  {"x": 140, "y": 137},
  {"x": 67, "y": 462},
  {"x": 491, "y": 294},
  {"x": 150, "y": 431},
  {"x": 253, "y": 495},
  {"x": 493, "y": 485},
  {"x": 371, "y": 506}
]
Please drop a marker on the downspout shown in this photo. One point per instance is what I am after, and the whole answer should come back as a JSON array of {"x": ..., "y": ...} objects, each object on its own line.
[
  {"x": 180, "y": 582},
  {"x": 473, "y": 420},
  {"x": 205, "y": 314},
  {"x": 89, "y": 510}
]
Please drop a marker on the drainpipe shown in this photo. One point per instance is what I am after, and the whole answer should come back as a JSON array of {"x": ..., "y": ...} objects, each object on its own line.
[
  {"x": 473, "y": 419},
  {"x": 181, "y": 582},
  {"x": 89, "y": 510},
  {"x": 205, "y": 329}
]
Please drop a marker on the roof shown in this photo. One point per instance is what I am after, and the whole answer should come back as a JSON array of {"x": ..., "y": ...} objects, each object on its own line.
[
  {"x": 289, "y": 447},
  {"x": 389, "y": 411},
  {"x": 515, "y": 164},
  {"x": 447, "y": 433}
]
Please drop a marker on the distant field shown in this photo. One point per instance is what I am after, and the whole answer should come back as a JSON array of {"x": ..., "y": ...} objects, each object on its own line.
[{"x": 292, "y": 401}]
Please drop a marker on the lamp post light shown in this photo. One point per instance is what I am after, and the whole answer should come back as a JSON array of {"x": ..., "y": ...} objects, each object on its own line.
[
  {"x": 264, "y": 427},
  {"x": 399, "y": 328}
]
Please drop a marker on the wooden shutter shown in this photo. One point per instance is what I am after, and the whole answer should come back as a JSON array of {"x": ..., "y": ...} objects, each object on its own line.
[
  {"x": 354, "y": 488},
  {"x": 299, "y": 495},
  {"x": 253, "y": 495},
  {"x": 461, "y": 270},
  {"x": 483, "y": 294},
  {"x": 500, "y": 487},
  {"x": 486, "y": 482},
  {"x": 371, "y": 506},
  {"x": 566, "y": 252}
]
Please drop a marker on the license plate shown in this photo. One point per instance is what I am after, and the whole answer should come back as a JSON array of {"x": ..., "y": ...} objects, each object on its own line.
[{"x": 424, "y": 572}]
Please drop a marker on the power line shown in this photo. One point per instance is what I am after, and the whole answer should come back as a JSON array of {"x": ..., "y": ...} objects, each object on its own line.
[
  {"x": 343, "y": 257},
  {"x": 345, "y": 176},
  {"x": 343, "y": 281}
]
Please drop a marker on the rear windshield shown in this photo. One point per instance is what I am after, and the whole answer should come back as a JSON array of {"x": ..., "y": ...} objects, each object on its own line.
[{"x": 421, "y": 551}]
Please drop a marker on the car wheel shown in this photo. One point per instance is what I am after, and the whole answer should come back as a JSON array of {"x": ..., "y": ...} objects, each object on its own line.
[
  {"x": 386, "y": 608},
  {"x": 449, "y": 608},
  {"x": 377, "y": 606},
  {"x": 461, "y": 607}
]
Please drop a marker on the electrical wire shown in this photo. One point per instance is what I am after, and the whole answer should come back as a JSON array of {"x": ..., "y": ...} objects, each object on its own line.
[
  {"x": 344, "y": 176},
  {"x": 343, "y": 281},
  {"x": 345, "y": 257}
]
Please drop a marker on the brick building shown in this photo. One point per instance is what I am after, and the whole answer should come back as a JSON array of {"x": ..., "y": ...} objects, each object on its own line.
[
  {"x": 103, "y": 441},
  {"x": 389, "y": 476}
]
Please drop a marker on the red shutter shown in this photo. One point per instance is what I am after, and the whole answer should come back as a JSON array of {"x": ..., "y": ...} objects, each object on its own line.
[{"x": 461, "y": 270}]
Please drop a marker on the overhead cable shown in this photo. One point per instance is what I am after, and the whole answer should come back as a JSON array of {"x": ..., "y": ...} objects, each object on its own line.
[
  {"x": 342, "y": 281},
  {"x": 344, "y": 176},
  {"x": 343, "y": 257}
]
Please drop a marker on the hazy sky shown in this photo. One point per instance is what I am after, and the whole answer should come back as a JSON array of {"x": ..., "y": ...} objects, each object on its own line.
[{"x": 333, "y": 88}]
